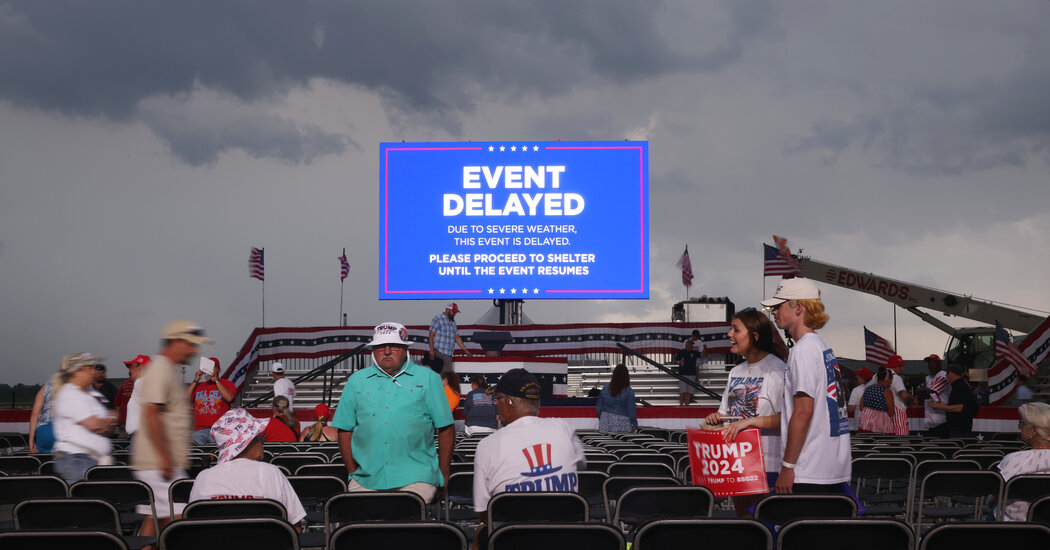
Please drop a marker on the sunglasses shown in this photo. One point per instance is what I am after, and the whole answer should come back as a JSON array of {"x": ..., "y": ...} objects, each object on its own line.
[{"x": 100, "y": 367}]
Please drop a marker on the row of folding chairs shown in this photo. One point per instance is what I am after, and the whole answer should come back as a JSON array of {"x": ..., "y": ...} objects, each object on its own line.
[{"x": 276, "y": 534}]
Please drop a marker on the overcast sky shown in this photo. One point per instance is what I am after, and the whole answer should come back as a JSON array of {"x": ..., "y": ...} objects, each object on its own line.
[{"x": 145, "y": 147}]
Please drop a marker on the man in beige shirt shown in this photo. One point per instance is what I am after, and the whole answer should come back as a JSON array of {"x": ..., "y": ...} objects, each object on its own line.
[{"x": 160, "y": 453}]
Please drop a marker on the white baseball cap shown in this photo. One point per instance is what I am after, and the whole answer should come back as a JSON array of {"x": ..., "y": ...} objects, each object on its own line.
[
  {"x": 277, "y": 367},
  {"x": 798, "y": 288},
  {"x": 389, "y": 333}
]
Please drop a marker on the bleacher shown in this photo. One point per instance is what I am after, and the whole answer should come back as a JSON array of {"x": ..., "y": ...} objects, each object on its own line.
[{"x": 913, "y": 492}]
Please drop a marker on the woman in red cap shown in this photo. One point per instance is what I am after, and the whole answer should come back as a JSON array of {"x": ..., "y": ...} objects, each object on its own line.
[{"x": 321, "y": 431}]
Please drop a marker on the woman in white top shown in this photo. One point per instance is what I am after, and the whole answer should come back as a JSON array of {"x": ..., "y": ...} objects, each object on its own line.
[
  {"x": 81, "y": 420},
  {"x": 1035, "y": 431},
  {"x": 754, "y": 394}
]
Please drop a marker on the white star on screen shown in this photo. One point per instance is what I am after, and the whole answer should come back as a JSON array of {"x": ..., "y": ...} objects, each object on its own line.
[
  {"x": 491, "y": 148},
  {"x": 513, "y": 291},
  {"x": 501, "y": 291},
  {"x": 513, "y": 147},
  {"x": 502, "y": 148}
]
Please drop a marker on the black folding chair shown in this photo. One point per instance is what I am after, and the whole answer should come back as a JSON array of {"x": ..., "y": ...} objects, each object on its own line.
[
  {"x": 432, "y": 535},
  {"x": 15, "y": 489},
  {"x": 77, "y": 514},
  {"x": 109, "y": 473},
  {"x": 953, "y": 536},
  {"x": 956, "y": 495},
  {"x": 882, "y": 485},
  {"x": 1026, "y": 488},
  {"x": 641, "y": 469},
  {"x": 61, "y": 540},
  {"x": 332, "y": 470},
  {"x": 690, "y": 534},
  {"x": 19, "y": 465},
  {"x": 862, "y": 534},
  {"x": 124, "y": 495},
  {"x": 779, "y": 509},
  {"x": 536, "y": 507},
  {"x": 179, "y": 493},
  {"x": 235, "y": 508},
  {"x": 387, "y": 506},
  {"x": 591, "y": 536},
  {"x": 458, "y": 501},
  {"x": 639, "y": 505},
  {"x": 253, "y": 533},
  {"x": 615, "y": 486}
]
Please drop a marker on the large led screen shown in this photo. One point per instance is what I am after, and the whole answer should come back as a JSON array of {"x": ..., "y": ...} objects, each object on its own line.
[{"x": 514, "y": 220}]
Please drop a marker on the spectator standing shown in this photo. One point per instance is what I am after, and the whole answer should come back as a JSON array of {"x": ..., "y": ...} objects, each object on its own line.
[
  {"x": 754, "y": 394},
  {"x": 41, "y": 429},
  {"x": 211, "y": 397},
  {"x": 528, "y": 453},
  {"x": 936, "y": 389},
  {"x": 616, "y": 408},
  {"x": 479, "y": 411},
  {"x": 444, "y": 336},
  {"x": 450, "y": 380},
  {"x": 283, "y": 426},
  {"x": 1035, "y": 431},
  {"x": 1023, "y": 394},
  {"x": 104, "y": 386},
  {"x": 814, "y": 423},
  {"x": 901, "y": 397},
  {"x": 877, "y": 408},
  {"x": 687, "y": 360},
  {"x": 321, "y": 431},
  {"x": 387, "y": 417},
  {"x": 961, "y": 407},
  {"x": 127, "y": 387},
  {"x": 240, "y": 473},
  {"x": 282, "y": 385},
  {"x": 856, "y": 395},
  {"x": 82, "y": 420},
  {"x": 160, "y": 449}
]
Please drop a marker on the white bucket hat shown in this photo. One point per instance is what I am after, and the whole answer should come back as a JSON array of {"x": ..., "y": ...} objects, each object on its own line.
[{"x": 234, "y": 431}]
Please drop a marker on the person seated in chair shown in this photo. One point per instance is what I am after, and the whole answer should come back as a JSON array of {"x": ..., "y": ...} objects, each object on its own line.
[{"x": 239, "y": 473}]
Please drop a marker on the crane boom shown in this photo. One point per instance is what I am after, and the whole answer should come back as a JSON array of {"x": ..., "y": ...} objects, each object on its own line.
[{"x": 911, "y": 296}]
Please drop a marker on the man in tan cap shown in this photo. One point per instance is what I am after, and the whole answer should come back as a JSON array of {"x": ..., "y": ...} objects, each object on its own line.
[{"x": 160, "y": 453}]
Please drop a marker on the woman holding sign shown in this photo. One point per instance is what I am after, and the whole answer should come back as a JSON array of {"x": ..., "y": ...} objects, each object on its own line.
[{"x": 754, "y": 394}]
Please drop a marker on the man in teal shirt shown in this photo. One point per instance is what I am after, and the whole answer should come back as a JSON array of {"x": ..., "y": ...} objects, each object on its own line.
[{"x": 386, "y": 419}]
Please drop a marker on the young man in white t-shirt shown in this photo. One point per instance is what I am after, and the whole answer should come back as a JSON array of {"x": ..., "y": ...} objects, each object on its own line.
[
  {"x": 282, "y": 385},
  {"x": 814, "y": 423}
]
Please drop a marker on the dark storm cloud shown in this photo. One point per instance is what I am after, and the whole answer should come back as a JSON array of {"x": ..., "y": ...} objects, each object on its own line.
[{"x": 429, "y": 61}]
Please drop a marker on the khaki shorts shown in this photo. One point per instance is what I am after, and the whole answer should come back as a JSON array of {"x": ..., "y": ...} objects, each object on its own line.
[
  {"x": 425, "y": 490},
  {"x": 686, "y": 388}
]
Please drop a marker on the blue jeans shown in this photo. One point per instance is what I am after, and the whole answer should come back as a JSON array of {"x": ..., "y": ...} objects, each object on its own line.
[
  {"x": 71, "y": 467},
  {"x": 202, "y": 437}
]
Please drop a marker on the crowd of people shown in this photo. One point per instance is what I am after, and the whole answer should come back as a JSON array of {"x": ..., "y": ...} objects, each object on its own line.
[{"x": 391, "y": 412}]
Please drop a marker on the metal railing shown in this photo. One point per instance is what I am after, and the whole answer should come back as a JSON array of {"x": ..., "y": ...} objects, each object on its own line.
[
  {"x": 329, "y": 383},
  {"x": 693, "y": 383}
]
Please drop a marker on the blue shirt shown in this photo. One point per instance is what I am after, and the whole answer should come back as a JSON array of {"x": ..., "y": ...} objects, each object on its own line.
[
  {"x": 622, "y": 404},
  {"x": 444, "y": 330},
  {"x": 479, "y": 409},
  {"x": 393, "y": 420}
]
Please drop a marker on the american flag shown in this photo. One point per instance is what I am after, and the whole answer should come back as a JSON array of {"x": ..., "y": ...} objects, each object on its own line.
[
  {"x": 777, "y": 263},
  {"x": 1006, "y": 350},
  {"x": 877, "y": 349},
  {"x": 255, "y": 264},
  {"x": 344, "y": 269},
  {"x": 687, "y": 268}
]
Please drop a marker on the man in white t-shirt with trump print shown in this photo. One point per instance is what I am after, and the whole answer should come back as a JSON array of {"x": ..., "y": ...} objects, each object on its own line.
[{"x": 814, "y": 423}]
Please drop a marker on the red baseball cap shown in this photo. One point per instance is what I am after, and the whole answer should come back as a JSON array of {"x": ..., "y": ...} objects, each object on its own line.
[
  {"x": 322, "y": 412},
  {"x": 453, "y": 307},
  {"x": 932, "y": 357},
  {"x": 865, "y": 373},
  {"x": 139, "y": 360},
  {"x": 894, "y": 361}
]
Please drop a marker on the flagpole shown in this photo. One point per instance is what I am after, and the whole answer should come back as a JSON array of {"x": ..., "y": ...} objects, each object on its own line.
[{"x": 341, "y": 281}]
